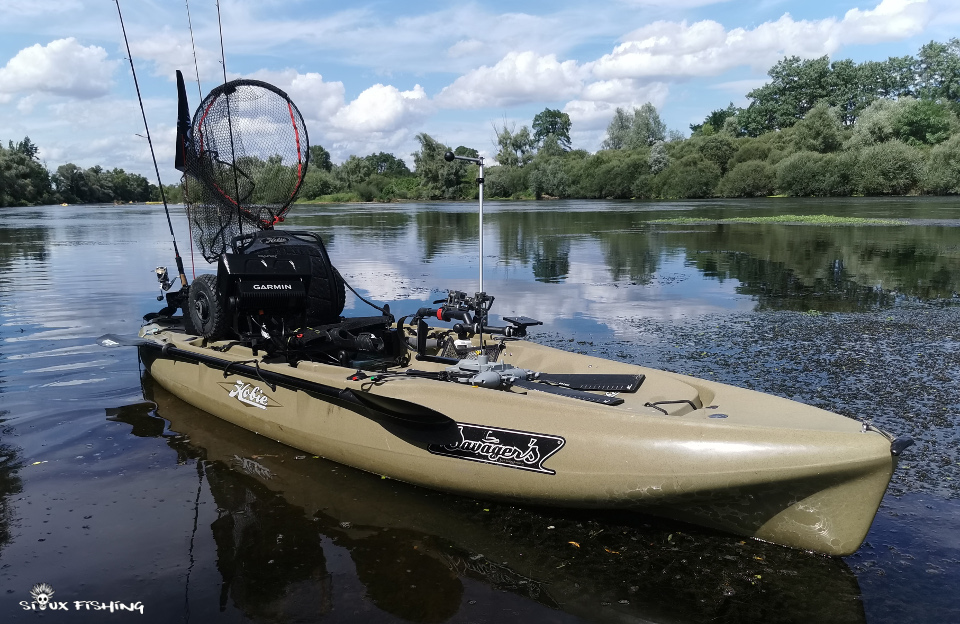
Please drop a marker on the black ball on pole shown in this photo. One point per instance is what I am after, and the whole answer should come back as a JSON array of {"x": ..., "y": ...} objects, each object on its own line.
[{"x": 448, "y": 157}]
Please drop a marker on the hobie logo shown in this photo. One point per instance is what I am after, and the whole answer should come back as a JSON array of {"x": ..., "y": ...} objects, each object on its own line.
[{"x": 248, "y": 394}]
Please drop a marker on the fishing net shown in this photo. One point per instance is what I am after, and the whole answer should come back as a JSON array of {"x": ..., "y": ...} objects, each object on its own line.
[{"x": 244, "y": 157}]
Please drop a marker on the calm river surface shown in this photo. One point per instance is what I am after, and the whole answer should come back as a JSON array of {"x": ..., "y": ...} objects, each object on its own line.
[{"x": 113, "y": 490}]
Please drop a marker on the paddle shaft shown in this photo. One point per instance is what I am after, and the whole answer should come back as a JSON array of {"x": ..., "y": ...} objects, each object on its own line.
[{"x": 429, "y": 418}]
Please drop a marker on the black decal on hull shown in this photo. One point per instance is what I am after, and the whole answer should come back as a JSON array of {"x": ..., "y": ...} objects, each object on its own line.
[{"x": 502, "y": 447}]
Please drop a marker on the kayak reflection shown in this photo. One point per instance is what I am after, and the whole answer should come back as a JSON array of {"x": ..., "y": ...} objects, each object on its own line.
[{"x": 284, "y": 524}]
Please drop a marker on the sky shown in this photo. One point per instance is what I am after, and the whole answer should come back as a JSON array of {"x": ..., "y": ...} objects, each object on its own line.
[{"x": 370, "y": 75}]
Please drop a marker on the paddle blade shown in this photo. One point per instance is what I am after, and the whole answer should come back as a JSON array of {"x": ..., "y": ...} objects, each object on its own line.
[
  {"x": 607, "y": 383},
  {"x": 410, "y": 421},
  {"x": 115, "y": 340},
  {"x": 567, "y": 392},
  {"x": 184, "y": 129}
]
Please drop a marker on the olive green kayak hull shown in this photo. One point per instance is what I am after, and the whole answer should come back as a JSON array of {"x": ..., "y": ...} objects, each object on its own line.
[
  {"x": 439, "y": 538},
  {"x": 723, "y": 457}
]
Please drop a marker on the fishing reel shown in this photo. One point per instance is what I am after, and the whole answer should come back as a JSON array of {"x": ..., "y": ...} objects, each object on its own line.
[{"x": 472, "y": 313}]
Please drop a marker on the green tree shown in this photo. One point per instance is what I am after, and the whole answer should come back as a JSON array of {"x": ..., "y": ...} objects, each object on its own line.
[
  {"x": 440, "y": 179},
  {"x": 938, "y": 72},
  {"x": 320, "y": 158},
  {"x": 812, "y": 174},
  {"x": 795, "y": 86},
  {"x": 388, "y": 165},
  {"x": 551, "y": 147},
  {"x": 26, "y": 147},
  {"x": 659, "y": 159},
  {"x": 319, "y": 182},
  {"x": 942, "y": 174},
  {"x": 715, "y": 121},
  {"x": 70, "y": 184},
  {"x": 647, "y": 128},
  {"x": 717, "y": 148},
  {"x": 819, "y": 130},
  {"x": 353, "y": 171},
  {"x": 753, "y": 178},
  {"x": 924, "y": 122},
  {"x": 23, "y": 180},
  {"x": 552, "y": 122},
  {"x": 751, "y": 149},
  {"x": 505, "y": 181},
  {"x": 618, "y": 131},
  {"x": 690, "y": 177},
  {"x": 516, "y": 147},
  {"x": 890, "y": 168},
  {"x": 915, "y": 122},
  {"x": 548, "y": 177}
]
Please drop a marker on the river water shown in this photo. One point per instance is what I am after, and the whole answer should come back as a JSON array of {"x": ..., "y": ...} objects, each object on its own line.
[{"x": 111, "y": 490}]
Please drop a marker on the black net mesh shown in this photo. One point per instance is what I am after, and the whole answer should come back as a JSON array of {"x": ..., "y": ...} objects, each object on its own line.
[{"x": 243, "y": 163}]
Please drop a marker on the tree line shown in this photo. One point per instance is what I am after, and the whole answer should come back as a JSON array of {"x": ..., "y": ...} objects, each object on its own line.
[
  {"x": 816, "y": 128},
  {"x": 25, "y": 181}
]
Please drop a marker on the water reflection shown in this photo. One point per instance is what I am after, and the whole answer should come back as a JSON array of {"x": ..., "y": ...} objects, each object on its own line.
[
  {"x": 18, "y": 244},
  {"x": 10, "y": 483},
  {"x": 284, "y": 525},
  {"x": 787, "y": 267}
]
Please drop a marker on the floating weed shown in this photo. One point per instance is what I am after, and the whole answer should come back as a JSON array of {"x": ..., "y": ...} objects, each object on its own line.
[{"x": 804, "y": 219}]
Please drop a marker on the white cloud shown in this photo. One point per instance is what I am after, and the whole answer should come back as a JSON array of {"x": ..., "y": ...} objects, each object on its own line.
[
  {"x": 740, "y": 87},
  {"x": 465, "y": 47},
  {"x": 890, "y": 20},
  {"x": 611, "y": 91},
  {"x": 170, "y": 51},
  {"x": 673, "y": 4},
  {"x": 317, "y": 100},
  {"x": 62, "y": 67},
  {"x": 381, "y": 118},
  {"x": 595, "y": 108},
  {"x": 31, "y": 8},
  {"x": 519, "y": 77},
  {"x": 382, "y": 108},
  {"x": 678, "y": 50}
]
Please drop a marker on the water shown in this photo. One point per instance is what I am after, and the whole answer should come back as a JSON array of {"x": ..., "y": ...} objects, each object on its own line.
[{"x": 113, "y": 490}]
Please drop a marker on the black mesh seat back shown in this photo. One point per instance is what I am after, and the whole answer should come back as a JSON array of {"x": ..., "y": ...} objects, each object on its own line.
[{"x": 325, "y": 293}]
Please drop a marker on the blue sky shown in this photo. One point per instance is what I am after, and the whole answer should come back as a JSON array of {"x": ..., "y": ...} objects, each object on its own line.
[{"x": 370, "y": 75}]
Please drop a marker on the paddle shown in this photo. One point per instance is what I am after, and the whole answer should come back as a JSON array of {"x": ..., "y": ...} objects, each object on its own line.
[
  {"x": 111, "y": 341},
  {"x": 410, "y": 421},
  {"x": 567, "y": 392},
  {"x": 593, "y": 381}
]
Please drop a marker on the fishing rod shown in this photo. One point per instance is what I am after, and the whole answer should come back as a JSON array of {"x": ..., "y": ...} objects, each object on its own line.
[
  {"x": 196, "y": 67},
  {"x": 163, "y": 196},
  {"x": 193, "y": 45},
  {"x": 450, "y": 157},
  {"x": 233, "y": 150}
]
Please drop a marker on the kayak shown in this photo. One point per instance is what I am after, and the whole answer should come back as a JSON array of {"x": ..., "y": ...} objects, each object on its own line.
[
  {"x": 569, "y": 561},
  {"x": 689, "y": 449},
  {"x": 472, "y": 408}
]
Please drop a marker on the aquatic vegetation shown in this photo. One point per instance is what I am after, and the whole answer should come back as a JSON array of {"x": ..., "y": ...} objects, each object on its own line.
[{"x": 804, "y": 219}]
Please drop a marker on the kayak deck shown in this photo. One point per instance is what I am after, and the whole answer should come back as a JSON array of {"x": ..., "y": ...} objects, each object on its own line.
[{"x": 690, "y": 449}]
